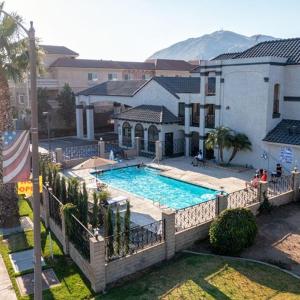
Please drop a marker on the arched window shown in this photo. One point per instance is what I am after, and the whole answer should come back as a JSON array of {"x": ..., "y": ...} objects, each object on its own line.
[
  {"x": 139, "y": 132},
  {"x": 276, "y": 113},
  {"x": 126, "y": 135},
  {"x": 152, "y": 138}
]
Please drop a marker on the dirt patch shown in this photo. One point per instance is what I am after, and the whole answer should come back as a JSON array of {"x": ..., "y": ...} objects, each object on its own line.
[{"x": 277, "y": 241}]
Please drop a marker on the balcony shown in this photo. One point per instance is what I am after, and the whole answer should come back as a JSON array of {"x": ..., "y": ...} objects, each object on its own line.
[
  {"x": 48, "y": 83},
  {"x": 210, "y": 121}
]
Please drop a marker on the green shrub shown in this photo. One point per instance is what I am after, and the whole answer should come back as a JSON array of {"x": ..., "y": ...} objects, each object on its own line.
[
  {"x": 233, "y": 231},
  {"x": 265, "y": 206}
]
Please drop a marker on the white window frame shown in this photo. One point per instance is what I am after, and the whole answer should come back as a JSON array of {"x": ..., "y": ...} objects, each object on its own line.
[
  {"x": 114, "y": 76},
  {"x": 93, "y": 75}
]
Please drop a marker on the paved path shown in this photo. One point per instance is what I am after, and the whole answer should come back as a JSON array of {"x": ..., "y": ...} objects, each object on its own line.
[{"x": 6, "y": 288}]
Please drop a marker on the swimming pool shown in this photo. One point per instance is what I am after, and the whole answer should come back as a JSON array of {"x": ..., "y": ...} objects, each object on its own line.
[{"x": 148, "y": 183}]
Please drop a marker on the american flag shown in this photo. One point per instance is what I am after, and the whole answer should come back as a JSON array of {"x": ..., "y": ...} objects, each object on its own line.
[{"x": 16, "y": 156}]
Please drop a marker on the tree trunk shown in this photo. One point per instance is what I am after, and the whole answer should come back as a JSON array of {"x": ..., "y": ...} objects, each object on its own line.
[
  {"x": 9, "y": 212},
  {"x": 233, "y": 154}
]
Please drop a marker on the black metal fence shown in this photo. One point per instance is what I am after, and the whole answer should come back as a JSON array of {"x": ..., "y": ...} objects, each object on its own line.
[
  {"x": 55, "y": 209},
  {"x": 80, "y": 236},
  {"x": 280, "y": 185},
  {"x": 242, "y": 198},
  {"x": 195, "y": 215},
  {"x": 138, "y": 238},
  {"x": 77, "y": 152}
]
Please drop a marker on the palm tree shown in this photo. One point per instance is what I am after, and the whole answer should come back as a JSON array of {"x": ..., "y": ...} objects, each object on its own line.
[
  {"x": 239, "y": 142},
  {"x": 14, "y": 61},
  {"x": 218, "y": 137}
]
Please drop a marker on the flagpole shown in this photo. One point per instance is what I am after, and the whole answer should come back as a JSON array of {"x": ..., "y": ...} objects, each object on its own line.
[{"x": 35, "y": 159}]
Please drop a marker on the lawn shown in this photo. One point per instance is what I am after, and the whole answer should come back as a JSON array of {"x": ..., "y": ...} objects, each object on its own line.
[
  {"x": 192, "y": 276},
  {"x": 73, "y": 283}
]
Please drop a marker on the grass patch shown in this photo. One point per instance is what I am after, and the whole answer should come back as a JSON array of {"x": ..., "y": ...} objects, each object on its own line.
[
  {"x": 73, "y": 283},
  {"x": 207, "y": 277}
]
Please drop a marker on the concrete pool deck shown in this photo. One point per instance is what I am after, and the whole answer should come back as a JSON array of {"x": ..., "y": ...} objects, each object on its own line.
[{"x": 145, "y": 211}]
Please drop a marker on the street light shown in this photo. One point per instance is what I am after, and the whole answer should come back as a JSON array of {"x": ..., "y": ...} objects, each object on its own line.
[
  {"x": 46, "y": 114},
  {"x": 35, "y": 157}
]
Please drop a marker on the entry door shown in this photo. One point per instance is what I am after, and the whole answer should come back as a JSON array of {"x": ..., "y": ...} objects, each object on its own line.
[{"x": 169, "y": 144}]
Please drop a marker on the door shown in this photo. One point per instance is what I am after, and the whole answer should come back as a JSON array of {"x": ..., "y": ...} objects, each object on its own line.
[{"x": 169, "y": 144}]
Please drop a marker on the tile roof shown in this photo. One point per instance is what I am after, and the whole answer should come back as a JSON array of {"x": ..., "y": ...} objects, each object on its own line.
[
  {"x": 50, "y": 49},
  {"x": 114, "y": 88},
  {"x": 288, "y": 48},
  {"x": 172, "y": 64},
  {"x": 149, "y": 114},
  {"x": 105, "y": 64},
  {"x": 224, "y": 56},
  {"x": 180, "y": 85},
  {"x": 286, "y": 132}
]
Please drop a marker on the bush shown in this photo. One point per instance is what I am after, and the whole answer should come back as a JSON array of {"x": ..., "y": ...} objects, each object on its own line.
[
  {"x": 265, "y": 206},
  {"x": 233, "y": 231}
]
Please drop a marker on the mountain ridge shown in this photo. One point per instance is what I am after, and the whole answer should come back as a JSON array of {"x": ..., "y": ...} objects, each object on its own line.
[{"x": 210, "y": 45}]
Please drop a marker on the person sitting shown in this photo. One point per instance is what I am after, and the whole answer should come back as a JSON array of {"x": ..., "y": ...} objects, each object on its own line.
[
  {"x": 264, "y": 176},
  {"x": 198, "y": 159},
  {"x": 277, "y": 173},
  {"x": 253, "y": 183}
]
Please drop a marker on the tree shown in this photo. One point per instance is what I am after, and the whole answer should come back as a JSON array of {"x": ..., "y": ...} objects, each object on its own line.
[
  {"x": 95, "y": 213},
  {"x": 57, "y": 187},
  {"x": 118, "y": 231},
  {"x": 219, "y": 137},
  {"x": 43, "y": 106},
  {"x": 239, "y": 142},
  {"x": 83, "y": 205},
  {"x": 127, "y": 228},
  {"x": 109, "y": 233},
  {"x": 66, "y": 100},
  {"x": 63, "y": 192}
]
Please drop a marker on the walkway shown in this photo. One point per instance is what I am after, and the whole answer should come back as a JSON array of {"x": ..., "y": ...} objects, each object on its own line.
[{"x": 6, "y": 288}]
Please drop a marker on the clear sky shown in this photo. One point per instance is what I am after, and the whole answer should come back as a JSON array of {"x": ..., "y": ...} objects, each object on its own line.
[{"x": 135, "y": 29}]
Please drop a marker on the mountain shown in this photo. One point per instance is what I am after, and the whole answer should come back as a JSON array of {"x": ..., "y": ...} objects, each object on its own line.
[{"x": 210, "y": 45}]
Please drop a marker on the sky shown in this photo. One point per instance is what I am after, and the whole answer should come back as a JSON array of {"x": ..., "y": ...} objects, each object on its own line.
[{"x": 132, "y": 30}]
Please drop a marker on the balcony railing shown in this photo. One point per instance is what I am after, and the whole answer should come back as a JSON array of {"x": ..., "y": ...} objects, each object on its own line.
[
  {"x": 195, "y": 120},
  {"x": 181, "y": 120},
  {"x": 47, "y": 83},
  {"x": 210, "y": 121}
]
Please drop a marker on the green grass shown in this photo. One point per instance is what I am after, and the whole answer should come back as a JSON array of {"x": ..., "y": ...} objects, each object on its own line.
[
  {"x": 207, "y": 277},
  {"x": 73, "y": 283}
]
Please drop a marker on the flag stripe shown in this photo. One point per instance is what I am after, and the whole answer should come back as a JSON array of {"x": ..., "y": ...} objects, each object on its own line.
[{"x": 14, "y": 146}]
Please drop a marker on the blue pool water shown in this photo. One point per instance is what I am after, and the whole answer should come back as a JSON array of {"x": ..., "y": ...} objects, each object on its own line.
[{"x": 149, "y": 184}]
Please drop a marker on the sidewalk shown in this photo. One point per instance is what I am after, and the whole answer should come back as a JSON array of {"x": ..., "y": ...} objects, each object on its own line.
[{"x": 6, "y": 288}]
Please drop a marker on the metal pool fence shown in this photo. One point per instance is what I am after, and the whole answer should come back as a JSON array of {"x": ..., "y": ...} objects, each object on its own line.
[
  {"x": 138, "y": 238},
  {"x": 242, "y": 198},
  {"x": 195, "y": 215},
  {"x": 77, "y": 152},
  {"x": 280, "y": 185},
  {"x": 55, "y": 208}
]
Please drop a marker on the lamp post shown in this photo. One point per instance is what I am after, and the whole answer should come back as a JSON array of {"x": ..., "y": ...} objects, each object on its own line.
[
  {"x": 46, "y": 113},
  {"x": 35, "y": 156}
]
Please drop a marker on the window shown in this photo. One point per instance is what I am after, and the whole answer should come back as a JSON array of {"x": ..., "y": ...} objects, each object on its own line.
[
  {"x": 127, "y": 77},
  {"x": 152, "y": 138},
  {"x": 139, "y": 132},
  {"x": 112, "y": 76},
  {"x": 92, "y": 77},
  {"x": 195, "y": 114},
  {"x": 210, "y": 116},
  {"x": 21, "y": 99},
  {"x": 276, "y": 113},
  {"x": 181, "y": 113},
  {"x": 146, "y": 76},
  {"x": 126, "y": 134},
  {"x": 211, "y": 86}
]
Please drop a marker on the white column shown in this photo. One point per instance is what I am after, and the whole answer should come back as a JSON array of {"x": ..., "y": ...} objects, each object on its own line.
[
  {"x": 146, "y": 139},
  {"x": 202, "y": 128},
  {"x": 132, "y": 135},
  {"x": 120, "y": 133},
  {"x": 90, "y": 122},
  {"x": 79, "y": 121},
  {"x": 187, "y": 144},
  {"x": 218, "y": 99},
  {"x": 187, "y": 123}
]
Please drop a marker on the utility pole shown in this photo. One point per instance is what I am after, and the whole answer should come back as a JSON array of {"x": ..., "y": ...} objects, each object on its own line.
[{"x": 35, "y": 159}]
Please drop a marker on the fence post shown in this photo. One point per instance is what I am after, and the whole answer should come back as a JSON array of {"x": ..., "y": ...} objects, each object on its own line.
[
  {"x": 168, "y": 217},
  {"x": 158, "y": 150},
  {"x": 97, "y": 262},
  {"x": 65, "y": 235},
  {"x": 221, "y": 203},
  {"x": 296, "y": 184},
  {"x": 261, "y": 189},
  {"x": 101, "y": 148},
  {"x": 59, "y": 155},
  {"x": 46, "y": 206}
]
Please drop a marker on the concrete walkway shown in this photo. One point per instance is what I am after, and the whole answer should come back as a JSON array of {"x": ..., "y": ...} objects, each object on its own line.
[{"x": 6, "y": 288}]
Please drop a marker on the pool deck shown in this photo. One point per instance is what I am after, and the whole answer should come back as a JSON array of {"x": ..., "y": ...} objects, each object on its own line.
[{"x": 144, "y": 211}]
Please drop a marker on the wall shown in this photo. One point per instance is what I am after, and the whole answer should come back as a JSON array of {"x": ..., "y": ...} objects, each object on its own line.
[{"x": 136, "y": 262}]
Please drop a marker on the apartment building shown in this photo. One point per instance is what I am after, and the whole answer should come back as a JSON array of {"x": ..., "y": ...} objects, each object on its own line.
[{"x": 255, "y": 92}]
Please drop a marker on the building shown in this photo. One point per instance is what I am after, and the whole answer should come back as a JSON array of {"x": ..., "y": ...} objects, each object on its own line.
[{"x": 255, "y": 92}]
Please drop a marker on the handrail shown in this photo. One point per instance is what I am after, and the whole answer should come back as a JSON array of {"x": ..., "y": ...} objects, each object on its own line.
[{"x": 90, "y": 233}]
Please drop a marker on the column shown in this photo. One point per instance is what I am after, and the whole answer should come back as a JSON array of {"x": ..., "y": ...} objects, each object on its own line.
[
  {"x": 296, "y": 184},
  {"x": 120, "y": 134},
  {"x": 132, "y": 135},
  {"x": 187, "y": 123},
  {"x": 168, "y": 217},
  {"x": 202, "y": 129},
  {"x": 59, "y": 155},
  {"x": 117, "y": 108},
  {"x": 101, "y": 148},
  {"x": 146, "y": 139},
  {"x": 79, "y": 121},
  {"x": 90, "y": 122},
  {"x": 218, "y": 99},
  {"x": 262, "y": 190},
  {"x": 221, "y": 203},
  {"x": 97, "y": 262}
]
